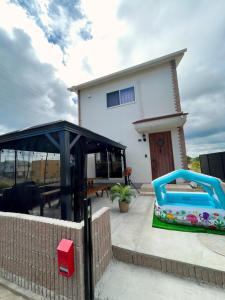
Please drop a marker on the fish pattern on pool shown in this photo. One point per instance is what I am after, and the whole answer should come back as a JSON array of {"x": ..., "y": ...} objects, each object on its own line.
[{"x": 212, "y": 218}]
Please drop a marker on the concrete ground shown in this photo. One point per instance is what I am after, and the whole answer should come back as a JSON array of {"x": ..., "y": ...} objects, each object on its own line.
[
  {"x": 10, "y": 294},
  {"x": 134, "y": 231},
  {"x": 129, "y": 282},
  {"x": 6, "y": 294},
  {"x": 11, "y": 291}
]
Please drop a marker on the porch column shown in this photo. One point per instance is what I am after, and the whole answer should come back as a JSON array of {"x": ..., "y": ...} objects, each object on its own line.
[
  {"x": 65, "y": 179},
  {"x": 125, "y": 167},
  {"x": 80, "y": 179}
]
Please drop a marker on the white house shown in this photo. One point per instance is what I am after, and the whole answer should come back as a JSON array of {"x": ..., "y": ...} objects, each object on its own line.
[{"x": 140, "y": 108}]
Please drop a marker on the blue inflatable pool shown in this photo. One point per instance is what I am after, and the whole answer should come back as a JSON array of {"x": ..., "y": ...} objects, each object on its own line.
[{"x": 206, "y": 208}]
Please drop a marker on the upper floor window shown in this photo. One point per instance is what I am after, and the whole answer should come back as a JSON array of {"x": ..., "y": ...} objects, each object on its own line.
[{"x": 120, "y": 97}]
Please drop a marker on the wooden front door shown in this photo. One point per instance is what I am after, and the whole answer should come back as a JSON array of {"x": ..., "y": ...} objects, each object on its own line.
[{"x": 161, "y": 152}]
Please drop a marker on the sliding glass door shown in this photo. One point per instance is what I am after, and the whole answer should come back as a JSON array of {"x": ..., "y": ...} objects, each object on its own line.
[{"x": 108, "y": 165}]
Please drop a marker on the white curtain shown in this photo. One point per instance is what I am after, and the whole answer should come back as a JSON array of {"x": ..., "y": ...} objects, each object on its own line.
[{"x": 127, "y": 95}]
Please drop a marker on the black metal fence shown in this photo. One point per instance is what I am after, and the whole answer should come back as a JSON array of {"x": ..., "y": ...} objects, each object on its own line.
[
  {"x": 213, "y": 164},
  {"x": 88, "y": 251}
]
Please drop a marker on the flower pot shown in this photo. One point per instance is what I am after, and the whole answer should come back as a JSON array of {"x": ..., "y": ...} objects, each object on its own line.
[{"x": 124, "y": 206}]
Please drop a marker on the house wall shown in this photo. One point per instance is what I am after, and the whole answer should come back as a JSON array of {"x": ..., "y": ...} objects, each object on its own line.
[
  {"x": 154, "y": 93},
  {"x": 91, "y": 166}
]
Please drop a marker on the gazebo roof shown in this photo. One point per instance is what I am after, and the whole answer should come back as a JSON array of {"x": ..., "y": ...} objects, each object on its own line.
[{"x": 45, "y": 138}]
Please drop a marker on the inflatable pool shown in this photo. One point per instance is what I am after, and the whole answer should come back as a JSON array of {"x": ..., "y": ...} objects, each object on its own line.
[{"x": 206, "y": 208}]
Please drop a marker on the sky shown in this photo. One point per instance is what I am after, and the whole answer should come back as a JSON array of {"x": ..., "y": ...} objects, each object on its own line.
[{"x": 48, "y": 46}]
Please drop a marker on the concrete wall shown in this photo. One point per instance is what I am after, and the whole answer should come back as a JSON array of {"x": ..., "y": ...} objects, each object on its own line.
[
  {"x": 154, "y": 93},
  {"x": 28, "y": 253}
]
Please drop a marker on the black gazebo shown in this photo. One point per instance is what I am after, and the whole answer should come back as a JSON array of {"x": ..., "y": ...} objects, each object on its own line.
[{"x": 71, "y": 142}]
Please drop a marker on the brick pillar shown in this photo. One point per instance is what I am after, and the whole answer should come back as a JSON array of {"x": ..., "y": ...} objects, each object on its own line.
[
  {"x": 183, "y": 153},
  {"x": 175, "y": 86}
]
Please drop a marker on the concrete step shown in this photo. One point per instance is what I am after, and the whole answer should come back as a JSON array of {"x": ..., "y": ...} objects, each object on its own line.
[
  {"x": 147, "y": 189},
  {"x": 179, "y": 268},
  {"x": 129, "y": 282}
]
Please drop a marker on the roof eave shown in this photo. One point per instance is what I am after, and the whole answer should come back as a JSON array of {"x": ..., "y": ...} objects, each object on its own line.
[{"x": 177, "y": 56}]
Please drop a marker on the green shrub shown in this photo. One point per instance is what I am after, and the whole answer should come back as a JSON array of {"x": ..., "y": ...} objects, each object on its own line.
[{"x": 122, "y": 193}]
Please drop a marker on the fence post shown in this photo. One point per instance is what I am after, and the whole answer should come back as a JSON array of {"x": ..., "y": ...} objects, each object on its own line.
[{"x": 88, "y": 251}]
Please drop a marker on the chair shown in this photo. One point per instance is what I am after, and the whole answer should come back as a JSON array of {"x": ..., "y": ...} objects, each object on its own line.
[
  {"x": 127, "y": 173},
  {"x": 21, "y": 198}
]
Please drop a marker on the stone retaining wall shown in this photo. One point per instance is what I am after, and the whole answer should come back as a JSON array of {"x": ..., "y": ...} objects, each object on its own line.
[{"x": 28, "y": 253}]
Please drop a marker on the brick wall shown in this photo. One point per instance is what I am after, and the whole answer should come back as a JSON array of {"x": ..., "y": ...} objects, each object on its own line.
[{"x": 28, "y": 253}]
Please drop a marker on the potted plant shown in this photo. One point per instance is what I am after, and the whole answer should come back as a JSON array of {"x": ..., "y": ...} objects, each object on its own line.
[{"x": 122, "y": 193}]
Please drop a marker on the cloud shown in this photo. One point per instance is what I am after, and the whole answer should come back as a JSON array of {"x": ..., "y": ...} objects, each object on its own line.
[
  {"x": 56, "y": 18},
  {"x": 85, "y": 32},
  {"x": 30, "y": 92},
  {"x": 3, "y": 129},
  {"x": 97, "y": 56},
  {"x": 159, "y": 27},
  {"x": 208, "y": 144},
  {"x": 206, "y": 116},
  {"x": 94, "y": 42}
]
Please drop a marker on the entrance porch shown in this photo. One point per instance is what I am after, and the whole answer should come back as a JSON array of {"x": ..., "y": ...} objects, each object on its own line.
[{"x": 166, "y": 142}]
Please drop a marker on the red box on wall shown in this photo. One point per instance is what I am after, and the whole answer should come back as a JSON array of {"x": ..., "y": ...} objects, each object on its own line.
[{"x": 65, "y": 253}]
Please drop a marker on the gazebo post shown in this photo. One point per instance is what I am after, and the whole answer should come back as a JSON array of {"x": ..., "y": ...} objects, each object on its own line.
[
  {"x": 124, "y": 167},
  {"x": 15, "y": 167},
  {"x": 80, "y": 179},
  {"x": 65, "y": 178}
]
